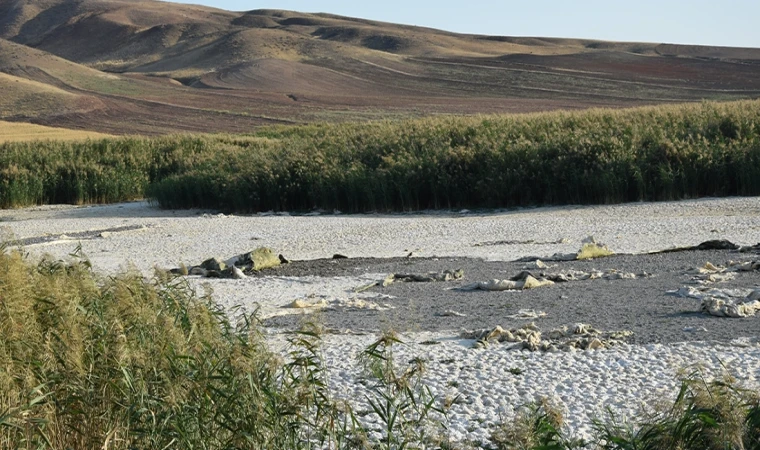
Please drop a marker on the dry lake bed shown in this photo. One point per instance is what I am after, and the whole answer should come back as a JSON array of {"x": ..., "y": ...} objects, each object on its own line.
[{"x": 599, "y": 335}]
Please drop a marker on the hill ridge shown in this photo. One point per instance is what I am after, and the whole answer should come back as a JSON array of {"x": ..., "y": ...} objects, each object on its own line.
[{"x": 240, "y": 70}]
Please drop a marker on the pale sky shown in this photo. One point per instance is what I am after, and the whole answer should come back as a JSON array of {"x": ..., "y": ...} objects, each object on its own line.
[{"x": 716, "y": 22}]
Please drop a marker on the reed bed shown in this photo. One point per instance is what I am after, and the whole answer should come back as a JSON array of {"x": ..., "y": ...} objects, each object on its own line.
[
  {"x": 596, "y": 156},
  {"x": 123, "y": 363}
]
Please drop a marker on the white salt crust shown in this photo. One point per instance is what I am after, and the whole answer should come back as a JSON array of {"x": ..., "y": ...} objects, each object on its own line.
[{"x": 586, "y": 384}]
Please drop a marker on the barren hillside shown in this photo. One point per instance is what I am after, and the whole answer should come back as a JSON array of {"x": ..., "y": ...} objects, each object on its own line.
[{"x": 143, "y": 66}]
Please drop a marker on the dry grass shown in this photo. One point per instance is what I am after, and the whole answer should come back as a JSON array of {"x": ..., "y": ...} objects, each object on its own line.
[
  {"x": 23, "y": 97},
  {"x": 267, "y": 67},
  {"x": 25, "y": 132}
]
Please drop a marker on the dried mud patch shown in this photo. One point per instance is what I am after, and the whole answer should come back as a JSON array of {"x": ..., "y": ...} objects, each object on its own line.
[{"x": 640, "y": 305}]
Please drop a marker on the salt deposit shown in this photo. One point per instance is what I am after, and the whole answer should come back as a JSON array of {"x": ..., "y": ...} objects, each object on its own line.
[
  {"x": 585, "y": 383},
  {"x": 173, "y": 237}
]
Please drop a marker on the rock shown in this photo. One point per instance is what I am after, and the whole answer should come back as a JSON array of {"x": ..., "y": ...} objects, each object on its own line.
[
  {"x": 509, "y": 337},
  {"x": 198, "y": 271},
  {"x": 529, "y": 282},
  {"x": 593, "y": 250},
  {"x": 260, "y": 259},
  {"x": 446, "y": 275},
  {"x": 619, "y": 276},
  {"x": 283, "y": 260},
  {"x": 522, "y": 276},
  {"x": 529, "y": 337},
  {"x": 496, "y": 333},
  {"x": 237, "y": 273},
  {"x": 304, "y": 304},
  {"x": 710, "y": 267},
  {"x": 727, "y": 308},
  {"x": 492, "y": 285},
  {"x": 214, "y": 264},
  {"x": 450, "y": 313},
  {"x": 527, "y": 314},
  {"x": 750, "y": 248},
  {"x": 714, "y": 278},
  {"x": 387, "y": 281},
  {"x": 620, "y": 335},
  {"x": 563, "y": 257},
  {"x": 541, "y": 265},
  {"x": 754, "y": 295},
  {"x": 532, "y": 283},
  {"x": 721, "y": 244},
  {"x": 594, "y": 344},
  {"x": 582, "y": 328},
  {"x": 558, "y": 333},
  {"x": 533, "y": 341}
]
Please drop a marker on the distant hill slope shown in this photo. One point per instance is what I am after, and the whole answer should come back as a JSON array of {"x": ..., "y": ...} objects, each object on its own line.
[{"x": 152, "y": 67}]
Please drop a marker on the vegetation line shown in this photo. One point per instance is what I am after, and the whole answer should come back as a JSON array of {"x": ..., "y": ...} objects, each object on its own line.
[{"x": 596, "y": 156}]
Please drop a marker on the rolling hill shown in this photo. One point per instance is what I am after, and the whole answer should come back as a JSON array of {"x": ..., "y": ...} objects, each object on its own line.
[{"x": 150, "y": 67}]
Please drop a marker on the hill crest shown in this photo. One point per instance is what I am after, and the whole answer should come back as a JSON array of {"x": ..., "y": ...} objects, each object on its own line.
[{"x": 236, "y": 70}]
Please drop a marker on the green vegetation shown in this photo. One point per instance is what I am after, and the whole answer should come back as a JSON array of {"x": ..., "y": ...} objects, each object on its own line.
[
  {"x": 598, "y": 156},
  {"x": 122, "y": 363}
]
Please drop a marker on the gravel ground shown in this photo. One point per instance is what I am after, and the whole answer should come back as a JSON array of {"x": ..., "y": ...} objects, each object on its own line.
[{"x": 639, "y": 305}]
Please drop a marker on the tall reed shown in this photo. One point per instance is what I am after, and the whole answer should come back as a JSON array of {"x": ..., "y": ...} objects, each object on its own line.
[{"x": 596, "y": 156}]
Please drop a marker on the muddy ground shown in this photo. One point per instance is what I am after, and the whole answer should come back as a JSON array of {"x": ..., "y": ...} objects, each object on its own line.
[{"x": 640, "y": 305}]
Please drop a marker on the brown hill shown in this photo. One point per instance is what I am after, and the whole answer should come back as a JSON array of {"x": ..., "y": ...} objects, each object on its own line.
[{"x": 151, "y": 67}]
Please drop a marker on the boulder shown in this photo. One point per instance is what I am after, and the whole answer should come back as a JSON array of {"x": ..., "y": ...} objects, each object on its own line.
[
  {"x": 259, "y": 259},
  {"x": 721, "y": 244},
  {"x": 214, "y": 264},
  {"x": 593, "y": 250},
  {"x": 198, "y": 271},
  {"x": 532, "y": 283}
]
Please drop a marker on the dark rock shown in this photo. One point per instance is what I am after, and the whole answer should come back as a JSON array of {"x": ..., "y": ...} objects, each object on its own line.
[
  {"x": 214, "y": 264},
  {"x": 721, "y": 244}
]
